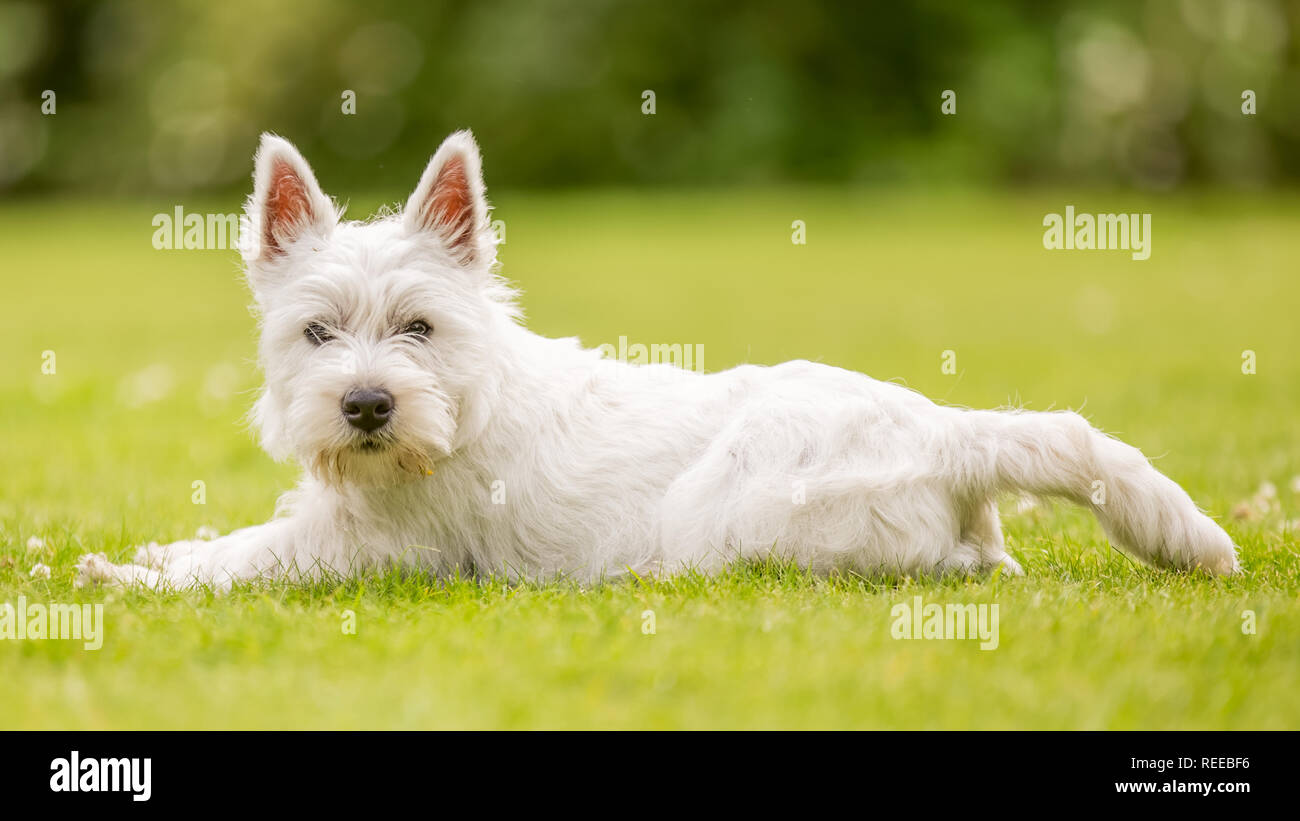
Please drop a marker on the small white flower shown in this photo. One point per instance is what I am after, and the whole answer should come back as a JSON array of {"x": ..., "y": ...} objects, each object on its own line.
[
  {"x": 1295, "y": 484},
  {"x": 35, "y": 543},
  {"x": 1267, "y": 490},
  {"x": 207, "y": 533},
  {"x": 40, "y": 571}
]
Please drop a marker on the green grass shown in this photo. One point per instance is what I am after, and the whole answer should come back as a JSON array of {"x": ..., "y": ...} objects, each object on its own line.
[{"x": 154, "y": 370}]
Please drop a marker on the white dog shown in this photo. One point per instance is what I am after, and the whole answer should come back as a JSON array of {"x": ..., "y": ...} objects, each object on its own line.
[{"x": 439, "y": 434}]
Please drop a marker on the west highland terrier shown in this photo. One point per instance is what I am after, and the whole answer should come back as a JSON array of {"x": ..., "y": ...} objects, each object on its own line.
[{"x": 439, "y": 434}]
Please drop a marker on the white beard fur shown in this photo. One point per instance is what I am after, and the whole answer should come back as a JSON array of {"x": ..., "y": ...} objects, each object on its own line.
[{"x": 517, "y": 456}]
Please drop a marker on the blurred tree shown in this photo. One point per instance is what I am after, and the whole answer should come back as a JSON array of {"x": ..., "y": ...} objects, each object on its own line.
[{"x": 173, "y": 95}]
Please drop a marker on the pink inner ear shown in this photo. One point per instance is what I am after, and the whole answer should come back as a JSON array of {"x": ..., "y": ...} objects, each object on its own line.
[
  {"x": 450, "y": 206},
  {"x": 288, "y": 206}
]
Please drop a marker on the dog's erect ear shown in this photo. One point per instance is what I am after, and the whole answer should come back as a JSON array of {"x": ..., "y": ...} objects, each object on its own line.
[
  {"x": 450, "y": 200},
  {"x": 287, "y": 202}
]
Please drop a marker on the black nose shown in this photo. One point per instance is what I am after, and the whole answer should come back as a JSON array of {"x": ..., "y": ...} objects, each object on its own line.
[{"x": 367, "y": 409}]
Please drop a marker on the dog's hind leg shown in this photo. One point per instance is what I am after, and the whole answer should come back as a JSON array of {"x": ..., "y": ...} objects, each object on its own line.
[
  {"x": 982, "y": 529},
  {"x": 962, "y": 560},
  {"x": 1060, "y": 454}
]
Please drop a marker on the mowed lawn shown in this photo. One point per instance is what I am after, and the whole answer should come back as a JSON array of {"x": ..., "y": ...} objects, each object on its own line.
[{"x": 153, "y": 358}]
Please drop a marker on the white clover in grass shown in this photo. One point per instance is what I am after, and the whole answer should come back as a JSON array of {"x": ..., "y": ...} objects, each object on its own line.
[
  {"x": 1262, "y": 504},
  {"x": 150, "y": 384},
  {"x": 1265, "y": 500},
  {"x": 35, "y": 543},
  {"x": 40, "y": 571}
]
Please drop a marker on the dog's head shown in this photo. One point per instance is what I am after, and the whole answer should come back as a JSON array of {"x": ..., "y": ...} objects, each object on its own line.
[{"x": 376, "y": 337}]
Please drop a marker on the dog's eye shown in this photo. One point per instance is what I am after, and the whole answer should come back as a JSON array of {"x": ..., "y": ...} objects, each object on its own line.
[
  {"x": 317, "y": 334},
  {"x": 417, "y": 328}
]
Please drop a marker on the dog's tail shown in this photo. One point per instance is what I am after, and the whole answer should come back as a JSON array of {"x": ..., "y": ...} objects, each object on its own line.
[{"x": 1059, "y": 454}]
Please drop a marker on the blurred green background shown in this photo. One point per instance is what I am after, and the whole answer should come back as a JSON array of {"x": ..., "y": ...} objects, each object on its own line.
[{"x": 171, "y": 96}]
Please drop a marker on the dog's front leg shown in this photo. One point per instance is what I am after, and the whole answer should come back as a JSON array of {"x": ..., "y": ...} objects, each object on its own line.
[{"x": 279, "y": 549}]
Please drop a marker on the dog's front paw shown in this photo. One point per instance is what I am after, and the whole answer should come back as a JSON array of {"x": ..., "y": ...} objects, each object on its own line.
[{"x": 93, "y": 569}]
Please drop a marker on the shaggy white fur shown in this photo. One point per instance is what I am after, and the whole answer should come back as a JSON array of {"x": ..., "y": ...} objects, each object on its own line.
[{"x": 509, "y": 453}]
